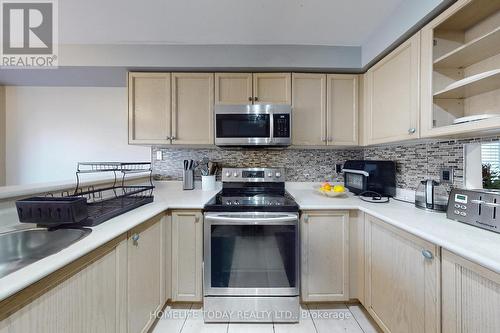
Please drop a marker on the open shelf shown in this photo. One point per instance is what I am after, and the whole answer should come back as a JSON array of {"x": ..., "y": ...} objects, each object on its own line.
[
  {"x": 471, "y": 86},
  {"x": 470, "y": 15},
  {"x": 474, "y": 51}
]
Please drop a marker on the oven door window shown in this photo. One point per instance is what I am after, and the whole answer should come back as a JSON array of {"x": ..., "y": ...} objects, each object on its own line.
[
  {"x": 253, "y": 256},
  {"x": 243, "y": 125}
]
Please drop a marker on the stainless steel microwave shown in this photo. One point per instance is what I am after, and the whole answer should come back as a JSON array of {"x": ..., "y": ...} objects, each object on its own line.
[{"x": 253, "y": 125}]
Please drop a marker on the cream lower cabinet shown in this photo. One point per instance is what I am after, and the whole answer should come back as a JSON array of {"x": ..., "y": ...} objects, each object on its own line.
[
  {"x": 88, "y": 295},
  {"x": 470, "y": 296},
  {"x": 402, "y": 279},
  {"x": 324, "y": 256},
  {"x": 146, "y": 287},
  {"x": 391, "y": 99},
  {"x": 187, "y": 256}
]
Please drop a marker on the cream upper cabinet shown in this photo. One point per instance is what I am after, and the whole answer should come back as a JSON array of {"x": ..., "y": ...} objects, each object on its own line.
[
  {"x": 309, "y": 109},
  {"x": 145, "y": 276},
  {"x": 342, "y": 109},
  {"x": 470, "y": 296},
  {"x": 233, "y": 88},
  {"x": 272, "y": 88},
  {"x": 192, "y": 108},
  {"x": 402, "y": 279},
  {"x": 460, "y": 70},
  {"x": 324, "y": 256},
  {"x": 187, "y": 256},
  {"x": 149, "y": 108},
  {"x": 392, "y": 98}
]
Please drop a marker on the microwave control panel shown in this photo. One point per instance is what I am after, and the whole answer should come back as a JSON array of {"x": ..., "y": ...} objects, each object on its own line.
[{"x": 281, "y": 125}]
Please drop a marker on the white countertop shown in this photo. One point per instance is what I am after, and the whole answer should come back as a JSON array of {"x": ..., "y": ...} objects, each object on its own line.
[{"x": 480, "y": 246}]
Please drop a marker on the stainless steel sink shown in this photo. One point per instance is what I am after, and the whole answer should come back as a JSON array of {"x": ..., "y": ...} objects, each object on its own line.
[{"x": 22, "y": 247}]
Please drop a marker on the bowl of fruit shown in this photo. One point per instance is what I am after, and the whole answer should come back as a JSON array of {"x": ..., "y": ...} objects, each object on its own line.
[{"x": 331, "y": 190}]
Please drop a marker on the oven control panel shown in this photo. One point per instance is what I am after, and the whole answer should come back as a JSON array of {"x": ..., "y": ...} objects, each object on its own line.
[
  {"x": 480, "y": 208},
  {"x": 275, "y": 175}
]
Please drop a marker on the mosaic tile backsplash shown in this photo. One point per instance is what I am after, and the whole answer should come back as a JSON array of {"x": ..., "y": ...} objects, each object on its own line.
[
  {"x": 299, "y": 164},
  {"x": 414, "y": 161}
]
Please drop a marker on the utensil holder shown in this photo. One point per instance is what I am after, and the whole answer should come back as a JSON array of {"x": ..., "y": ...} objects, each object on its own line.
[
  {"x": 208, "y": 183},
  {"x": 188, "y": 179}
]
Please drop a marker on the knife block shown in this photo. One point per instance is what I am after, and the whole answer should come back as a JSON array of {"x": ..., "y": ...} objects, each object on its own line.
[{"x": 188, "y": 179}]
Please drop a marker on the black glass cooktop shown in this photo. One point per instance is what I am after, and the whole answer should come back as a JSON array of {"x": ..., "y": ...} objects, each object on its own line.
[{"x": 251, "y": 199}]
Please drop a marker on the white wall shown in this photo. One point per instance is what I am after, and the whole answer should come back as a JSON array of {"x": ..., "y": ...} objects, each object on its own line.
[
  {"x": 50, "y": 129},
  {"x": 2, "y": 136}
]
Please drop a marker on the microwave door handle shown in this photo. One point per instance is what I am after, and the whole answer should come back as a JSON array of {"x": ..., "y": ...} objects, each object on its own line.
[
  {"x": 359, "y": 172},
  {"x": 271, "y": 127}
]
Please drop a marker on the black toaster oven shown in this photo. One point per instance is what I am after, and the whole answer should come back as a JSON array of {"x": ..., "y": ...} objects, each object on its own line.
[{"x": 361, "y": 176}]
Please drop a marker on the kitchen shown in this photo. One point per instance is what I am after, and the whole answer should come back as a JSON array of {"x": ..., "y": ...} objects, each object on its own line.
[{"x": 302, "y": 174}]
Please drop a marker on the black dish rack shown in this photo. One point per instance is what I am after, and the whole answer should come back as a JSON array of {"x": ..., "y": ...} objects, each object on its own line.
[{"x": 98, "y": 204}]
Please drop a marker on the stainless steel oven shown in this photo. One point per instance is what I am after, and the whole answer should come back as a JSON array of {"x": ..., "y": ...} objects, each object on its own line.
[
  {"x": 251, "y": 265},
  {"x": 253, "y": 125}
]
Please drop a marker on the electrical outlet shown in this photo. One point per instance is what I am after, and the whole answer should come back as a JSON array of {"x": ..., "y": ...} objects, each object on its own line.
[{"x": 159, "y": 155}]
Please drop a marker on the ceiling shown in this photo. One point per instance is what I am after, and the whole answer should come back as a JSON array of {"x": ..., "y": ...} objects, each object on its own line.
[{"x": 276, "y": 22}]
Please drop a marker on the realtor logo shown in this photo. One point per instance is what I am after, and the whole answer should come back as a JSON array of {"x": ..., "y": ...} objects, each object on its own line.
[{"x": 29, "y": 31}]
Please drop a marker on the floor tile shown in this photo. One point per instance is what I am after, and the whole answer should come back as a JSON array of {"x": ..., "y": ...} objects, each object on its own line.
[
  {"x": 368, "y": 325},
  {"x": 305, "y": 325},
  {"x": 250, "y": 328},
  {"x": 333, "y": 318},
  {"x": 173, "y": 318},
  {"x": 195, "y": 323}
]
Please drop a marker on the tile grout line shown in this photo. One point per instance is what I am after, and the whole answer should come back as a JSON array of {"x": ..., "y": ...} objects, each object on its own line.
[
  {"x": 357, "y": 322},
  {"x": 312, "y": 319},
  {"x": 185, "y": 319}
]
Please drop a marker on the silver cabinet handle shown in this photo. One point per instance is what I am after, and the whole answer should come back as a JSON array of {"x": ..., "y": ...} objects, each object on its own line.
[
  {"x": 412, "y": 130},
  {"x": 306, "y": 218},
  {"x": 135, "y": 238},
  {"x": 427, "y": 254}
]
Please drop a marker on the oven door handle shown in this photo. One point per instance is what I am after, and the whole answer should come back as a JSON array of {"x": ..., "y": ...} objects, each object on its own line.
[{"x": 252, "y": 220}]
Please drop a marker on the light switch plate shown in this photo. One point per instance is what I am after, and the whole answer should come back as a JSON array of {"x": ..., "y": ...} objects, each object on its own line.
[{"x": 446, "y": 176}]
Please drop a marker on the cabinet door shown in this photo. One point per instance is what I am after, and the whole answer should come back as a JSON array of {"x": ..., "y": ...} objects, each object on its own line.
[
  {"x": 233, "y": 88},
  {"x": 309, "y": 109},
  {"x": 342, "y": 109},
  {"x": 144, "y": 274},
  {"x": 149, "y": 108},
  {"x": 471, "y": 296},
  {"x": 402, "y": 279},
  {"x": 393, "y": 95},
  {"x": 87, "y": 295},
  {"x": 325, "y": 256},
  {"x": 272, "y": 88},
  {"x": 187, "y": 256},
  {"x": 192, "y": 108}
]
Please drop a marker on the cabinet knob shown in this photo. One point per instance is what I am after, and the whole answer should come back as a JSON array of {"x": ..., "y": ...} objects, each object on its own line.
[
  {"x": 249, "y": 99},
  {"x": 306, "y": 218},
  {"x": 169, "y": 138},
  {"x": 427, "y": 254},
  {"x": 412, "y": 130},
  {"x": 256, "y": 99},
  {"x": 172, "y": 138},
  {"x": 135, "y": 238},
  {"x": 323, "y": 139}
]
